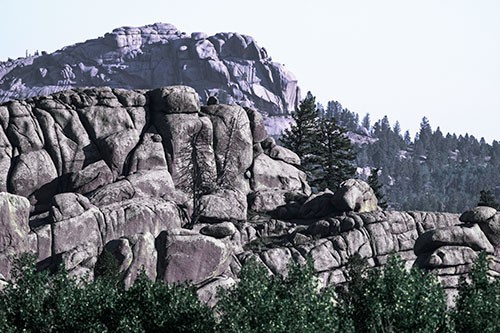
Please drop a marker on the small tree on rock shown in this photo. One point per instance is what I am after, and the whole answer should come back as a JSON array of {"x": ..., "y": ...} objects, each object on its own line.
[
  {"x": 377, "y": 188},
  {"x": 486, "y": 198}
]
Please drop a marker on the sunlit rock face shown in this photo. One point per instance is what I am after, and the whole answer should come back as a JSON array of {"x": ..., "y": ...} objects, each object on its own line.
[{"x": 232, "y": 66}]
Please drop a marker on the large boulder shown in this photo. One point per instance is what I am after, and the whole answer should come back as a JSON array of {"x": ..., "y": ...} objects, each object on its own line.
[
  {"x": 270, "y": 174},
  {"x": 223, "y": 205},
  {"x": 478, "y": 214},
  {"x": 134, "y": 254},
  {"x": 470, "y": 236},
  {"x": 189, "y": 256},
  {"x": 14, "y": 214},
  {"x": 355, "y": 195},
  {"x": 233, "y": 143},
  {"x": 175, "y": 99}
]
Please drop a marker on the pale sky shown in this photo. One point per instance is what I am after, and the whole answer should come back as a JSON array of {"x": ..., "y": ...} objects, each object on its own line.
[{"x": 400, "y": 58}]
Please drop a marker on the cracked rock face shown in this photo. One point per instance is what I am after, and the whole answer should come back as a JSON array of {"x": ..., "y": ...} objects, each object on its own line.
[
  {"x": 92, "y": 172},
  {"x": 88, "y": 167}
]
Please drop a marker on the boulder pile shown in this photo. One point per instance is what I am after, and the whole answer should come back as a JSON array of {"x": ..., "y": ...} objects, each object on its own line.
[{"x": 191, "y": 192}]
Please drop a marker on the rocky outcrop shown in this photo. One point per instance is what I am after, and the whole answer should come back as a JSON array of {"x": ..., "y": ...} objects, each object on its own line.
[
  {"x": 232, "y": 66},
  {"x": 101, "y": 166},
  {"x": 185, "y": 191}
]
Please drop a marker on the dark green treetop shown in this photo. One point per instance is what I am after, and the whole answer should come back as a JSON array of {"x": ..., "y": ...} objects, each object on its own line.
[{"x": 377, "y": 187}]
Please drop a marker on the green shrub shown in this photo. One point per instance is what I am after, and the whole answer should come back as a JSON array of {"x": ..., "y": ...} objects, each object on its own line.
[
  {"x": 38, "y": 302},
  {"x": 264, "y": 303},
  {"x": 392, "y": 300},
  {"x": 477, "y": 305}
]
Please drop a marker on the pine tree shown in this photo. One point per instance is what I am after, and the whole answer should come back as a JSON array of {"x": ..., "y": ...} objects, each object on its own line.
[
  {"x": 377, "y": 188},
  {"x": 366, "y": 122},
  {"x": 486, "y": 198},
  {"x": 333, "y": 155},
  {"x": 298, "y": 137}
]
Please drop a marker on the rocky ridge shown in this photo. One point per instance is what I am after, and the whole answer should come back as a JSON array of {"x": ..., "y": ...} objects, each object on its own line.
[
  {"x": 230, "y": 65},
  {"x": 87, "y": 172}
]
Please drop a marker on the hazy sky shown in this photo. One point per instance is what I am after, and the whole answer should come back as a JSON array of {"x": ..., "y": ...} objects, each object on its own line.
[{"x": 404, "y": 59}]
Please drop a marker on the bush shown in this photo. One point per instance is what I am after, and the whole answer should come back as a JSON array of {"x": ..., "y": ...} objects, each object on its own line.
[
  {"x": 477, "y": 306},
  {"x": 38, "y": 302},
  {"x": 264, "y": 303},
  {"x": 392, "y": 300},
  {"x": 373, "y": 300}
]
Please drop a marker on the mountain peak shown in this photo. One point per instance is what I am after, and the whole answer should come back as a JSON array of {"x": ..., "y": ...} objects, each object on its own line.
[{"x": 228, "y": 64}]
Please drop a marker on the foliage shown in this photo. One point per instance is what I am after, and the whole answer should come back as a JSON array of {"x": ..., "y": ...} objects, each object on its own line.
[
  {"x": 392, "y": 300},
  {"x": 333, "y": 155},
  {"x": 478, "y": 302},
  {"x": 38, "y": 302},
  {"x": 325, "y": 152},
  {"x": 298, "y": 137},
  {"x": 264, "y": 303},
  {"x": 377, "y": 187},
  {"x": 486, "y": 198},
  {"x": 433, "y": 171}
]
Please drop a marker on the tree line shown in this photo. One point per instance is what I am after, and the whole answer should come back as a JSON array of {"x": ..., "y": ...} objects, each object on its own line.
[
  {"x": 391, "y": 299},
  {"x": 432, "y": 171}
]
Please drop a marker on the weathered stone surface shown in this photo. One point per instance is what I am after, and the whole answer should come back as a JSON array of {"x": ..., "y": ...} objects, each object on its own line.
[
  {"x": 127, "y": 165},
  {"x": 478, "y": 214},
  {"x": 277, "y": 260},
  {"x": 152, "y": 183},
  {"x": 131, "y": 217},
  {"x": 115, "y": 192},
  {"x": 32, "y": 176},
  {"x": 233, "y": 145},
  {"x": 267, "y": 200},
  {"x": 208, "y": 292},
  {"x": 269, "y": 174},
  {"x": 471, "y": 236},
  {"x": 257, "y": 126},
  {"x": 117, "y": 147},
  {"x": 355, "y": 195},
  {"x": 219, "y": 230},
  {"x": 14, "y": 213},
  {"x": 284, "y": 154},
  {"x": 223, "y": 205},
  {"x": 193, "y": 257},
  {"x": 491, "y": 229},
  {"x": 447, "y": 256},
  {"x": 144, "y": 257},
  {"x": 90, "y": 178},
  {"x": 121, "y": 251},
  {"x": 175, "y": 99},
  {"x": 149, "y": 154},
  {"x": 68, "y": 205},
  {"x": 82, "y": 230}
]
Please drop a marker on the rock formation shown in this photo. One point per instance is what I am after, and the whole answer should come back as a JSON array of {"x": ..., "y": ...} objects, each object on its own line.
[
  {"x": 191, "y": 192},
  {"x": 232, "y": 66}
]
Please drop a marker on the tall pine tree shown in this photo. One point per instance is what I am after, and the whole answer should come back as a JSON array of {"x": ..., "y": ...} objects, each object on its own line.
[
  {"x": 299, "y": 136},
  {"x": 333, "y": 155}
]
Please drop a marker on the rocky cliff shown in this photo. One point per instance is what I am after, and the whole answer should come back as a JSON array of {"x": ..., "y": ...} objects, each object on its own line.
[
  {"x": 190, "y": 192},
  {"x": 231, "y": 65}
]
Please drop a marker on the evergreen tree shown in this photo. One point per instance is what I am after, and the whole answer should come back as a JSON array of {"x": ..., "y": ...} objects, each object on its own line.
[
  {"x": 377, "y": 187},
  {"x": 299, "y": 136},
  {"x": 333, "y": 155},
  {"x": 486, "y": 198},
  {"x": 366, "y": 122}
]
